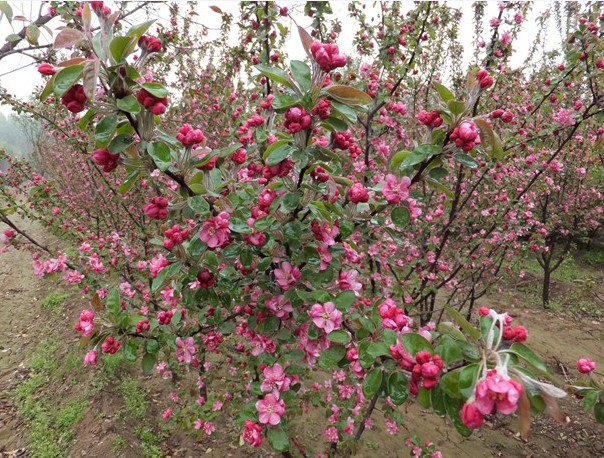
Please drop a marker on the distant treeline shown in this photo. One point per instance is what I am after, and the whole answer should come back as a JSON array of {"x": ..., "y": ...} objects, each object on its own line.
[{"x": 17, "y": 135}]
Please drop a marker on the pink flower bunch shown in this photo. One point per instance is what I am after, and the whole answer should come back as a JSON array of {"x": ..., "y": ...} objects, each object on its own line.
[
  {"x": 90, "y": 359},
  {"x": 175, "y": 236},
  {"x": 75, "y": 98},
  {"x": 394, "y": 190},
  {"x": 494, "y": 393},
  {"x": 358, "y": 193},
  {"x": 165, "y": 316},
  {"x": 157, "y": 208},
  {"x": 326, "y": 316},
  {"x": 185, "y": 349},
  {"x": 205, "y": 278},
  {"x": 47, "y": 69},
  {"x": 427, "y": 369},
  {"x": 586, "y": 365},
  {"x": 99, "y": 8},
  {"x": 252, "y": 433},
  {"x": 287, "y": 275},
  {"x": 297, "y": 119},
  {"x": 189, "y": 136},
  {"x": 157, "y": 264},
  {"x": 349, "y": 280},
  {"x": 564, "y": 117},
  {"x": 106, "y": 159},
  {"x": 280, "y": 306},
  {"x": 466, "y": 136},
  {"x": 270, "y": 409},
  {"x": 275, "y": 380},
  {"x": 484, "y": 79},
  {"x": 86, "y": 324},
  {"x": 150, "y": 44},
  {"x": 327, "y": 56},
  {"x": 342, "y": 140},
  {"x": 322, "y": 109},
  {"x": 110, "y": 345},
  {"x": 157, "y": 105},
  {"x": 393, "y": 317},
  {"x": 430, "y": 118},
  {"x": 215, "y": 231}
]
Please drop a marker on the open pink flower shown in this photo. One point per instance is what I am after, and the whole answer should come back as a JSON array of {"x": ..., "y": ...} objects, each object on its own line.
[
  {"x": 185, "y": 349},
  {"x": 349, "y": 279},
  {"x": 497, "y": 392},
  {"x": 280, "y": 306},
  {"x": 275, "y": 379},
  {"x": 326, "y": 316},
  {"x": 287, "y": 275},
  {"x": 252, "y": 433},
  {"x": 271, "y": 408},
  {"x": 215, "y": 231},
  {"x": 394, "y": 190},
  {"x": 86, "y": 323},
  {"x": 90, "y": 359}
]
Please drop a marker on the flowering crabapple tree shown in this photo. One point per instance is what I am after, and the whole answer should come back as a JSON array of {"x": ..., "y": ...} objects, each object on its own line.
[{"x": 256, "y": 256}]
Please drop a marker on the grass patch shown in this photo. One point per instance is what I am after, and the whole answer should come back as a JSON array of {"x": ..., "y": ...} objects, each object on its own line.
[
  {"x": 53, "y": 300},
  {"x": 135, "y": 399}
]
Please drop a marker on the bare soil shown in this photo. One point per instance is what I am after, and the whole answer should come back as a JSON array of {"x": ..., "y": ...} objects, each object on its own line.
[{"x": 559, "y": 337}]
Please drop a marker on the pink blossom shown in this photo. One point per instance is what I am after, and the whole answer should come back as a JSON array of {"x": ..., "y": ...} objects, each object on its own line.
[
  {"x": 86, "y": 323},
  {"x": 287, "y": 275},
  {"x": 90, "y": 359},
  {"x": 271, "y": 408},
  {"x": 349, "y": 281},
  {"x": 185, "y": 349},
  {"x": 215, "y": 231},
  {"x": 326, "y": 316},
  {"x": 394, "y": 190},
  {"x": 331, "y": 434},
  {"x": 586, "y": 365},
  {"x": 275, "y": 379},
  {"x": 471, "y": 416},
  {"x": 252, "y": 433},
  {"x": 499, "y": 392},
  {"x": 280, "y": 306}
]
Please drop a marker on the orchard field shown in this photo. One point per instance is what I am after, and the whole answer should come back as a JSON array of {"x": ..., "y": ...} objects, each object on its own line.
[{"x": 257, "y": 229}]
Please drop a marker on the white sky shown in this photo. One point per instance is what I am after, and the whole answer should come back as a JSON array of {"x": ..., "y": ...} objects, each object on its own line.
[{"x": 21, "y": 82}]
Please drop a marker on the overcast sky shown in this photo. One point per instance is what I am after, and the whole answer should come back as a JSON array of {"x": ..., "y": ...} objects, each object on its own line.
[{"x": 19, "y": 76}]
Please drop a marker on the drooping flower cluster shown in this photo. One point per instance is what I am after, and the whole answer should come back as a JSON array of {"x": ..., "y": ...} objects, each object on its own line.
[
  {"x": 466, "y": 136},
  {"x": 75, "y": 98},
  {"x": 150, "y": 44},
  {"x": 107, "y": 160},
  {"x": 157, "y": 208},
  {"x": 157, "y": 105},
  {"x": 327, "y": 56},
  {"x": 586, "y": 365},
  {"x": 484, "y": 79}
]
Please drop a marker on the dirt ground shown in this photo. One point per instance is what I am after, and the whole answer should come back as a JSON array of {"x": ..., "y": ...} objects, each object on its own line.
[{"x": 558, "y": 337}]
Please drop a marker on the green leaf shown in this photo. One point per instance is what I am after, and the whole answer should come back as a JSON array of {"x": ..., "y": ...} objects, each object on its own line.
[
  {"x": 278, "y": 439},
  {"x": 437, "y": 399},
  {"x": 406, "y": 159},
  {"x": 6, "y": 9},
  {"x": 414, "y": 343},
  {"x": 465, "y": 159},
  {"x": 66, "y": 78},
  {"x": 377, "y": 349},
  {"x": 599, "y": 412},
  {"x": 423, "y": 398},
  {"x": 453, "y": 407},
  {"x": 113, "y": 302},
  {"x": 339, "y": 336},
  {"x": 373, "y": 382},
  {"x": 397, "y": 388},
  {"x": 348, "y": 95},
  {"x": 438, "y": 173},
  {"x": 129, "y": 104},
  {"x": 365, "y": 358},
  {"x": 13, "y": 37},
  {"x": 527, "y": 354},
  {"x": 129, "y": 181},
  {"x": 282, "y": 101},
  {"x": 449, "y": 350},
  {"x": 445, "y": 94},
  {"x": 457, "y": 108},
  {"x": 275, "y": 74},
  {"x": 120, "y": 143},
  {"x": 32, "y": 33},
  {"x": 291, "y": 201},
  {"x": 301, "y": 73},
  {"x": 137, "y": 31},
  {"x": 449, "y": 329},
  {"x": 345, "y": 111},
  {"x": 160, "y": 152},
  {"x": 130, "y": 350},
  {"x": 199, "y": 205},
  {"x": 463, "y": 323},
  {"x": 400, "y": 216},
  {"x": 332, "y": 356},
  {"x": 120, "y": 47},
  {"x": 104, "y": 130},
  {"x": 148, "y": 362},
  {"x": 156, "y": 89},
  {"x": 344, "y": 300},
  {"x": 275, "y": 154}
]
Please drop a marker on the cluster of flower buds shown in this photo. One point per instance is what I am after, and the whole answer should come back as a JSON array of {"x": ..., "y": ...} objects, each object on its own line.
[
  {"x": 107, "y": 160},
  {"x": 150, "y": 44},
  {"x": 426, "y": 370},
  {"x": 484, "y": 79},
  {"x": 86, "y": 323},
  {"x": 165, "y": 316},
  {"x": 189, "y": 136},
  {"x": 466, "y": 136},
  {"x": 206, "y": 278},
  {"x": 515, "y": 334},
  {"x": 297, "y": 119},
  {"x": 393, "y": 317},
  {"x": 358, "y": 193},
  {"x": 319, "y": 174},
  {"x": 322, "y": 109},
  {"x": 430, "y": 118},
  {"x": 157, "y": 208},
  {"x": 110, "y": 345},
  {"x": 342, "y": 140},
  {"x": 75, "y": 98},
  {"x": 100, "y": 9},
  {"x": 175, "y": 236},
  {"x": 157, "y": 105},
  {"x": 505, "y": 116},
  {"x": 327, "y": 56}
]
